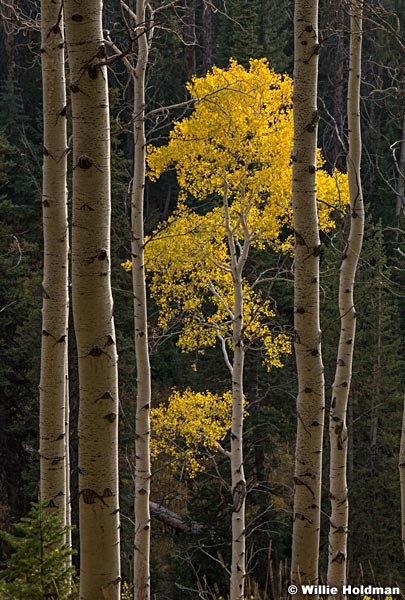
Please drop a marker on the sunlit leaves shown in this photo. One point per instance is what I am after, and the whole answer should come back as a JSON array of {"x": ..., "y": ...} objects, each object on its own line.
[
  {"x": 190, "y": 428},
  {"x": 233, "y": 151},
  {"x": 191, "y": 280},
  {"x": 239, "y": 138}
]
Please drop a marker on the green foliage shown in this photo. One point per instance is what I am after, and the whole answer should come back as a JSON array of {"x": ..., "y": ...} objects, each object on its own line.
[
  {"x": 240, "y": 32},
  {"x": 377, "y": 397},
  {"x": 255, "y": 29},
  {"x": 20, "y": 326},
  {"x": 375, "y": 410},
  {"x": 38, "y": 568},
  {"x": 21, "y": 140}
]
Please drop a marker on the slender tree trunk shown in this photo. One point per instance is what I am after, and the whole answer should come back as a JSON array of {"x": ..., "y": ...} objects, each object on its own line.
[
  {"x": 238, "y": 481},
  {"x": 143, "y": 401},
  {"x": 53, "y": 384},
  {"x": 93, "y": 305},
  {"x": 335, "y": 138},
  {"x": 402, "y": 478},
  {"x": 376, "y": 386},
  {"x": 7, "y": 21},
  {"x": 338, "y": 492},
  {"x": 307, "y": 335},
  {"x": 207, "y": 36},
  {"x": 400, "y": 197},
  {"x": 189, "y": 39},
  {"x": 68, "y": 512}
]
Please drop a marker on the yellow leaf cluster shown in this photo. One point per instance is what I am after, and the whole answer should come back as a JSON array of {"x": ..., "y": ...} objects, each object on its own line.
[
  {"x": 191, "y": 279},
  {"x": 127, "y": 265},
  {"x": 189, "y": 428},
  {"x": 126, "y": 591},
  {"x": 239, "y": 138}
]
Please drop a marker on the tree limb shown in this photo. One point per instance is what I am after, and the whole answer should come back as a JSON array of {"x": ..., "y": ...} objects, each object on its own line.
[{"x": 175, "y": 521}]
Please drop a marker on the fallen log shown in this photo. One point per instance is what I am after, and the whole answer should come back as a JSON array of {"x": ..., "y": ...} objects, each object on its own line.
[{"x": 174, "y": 520}]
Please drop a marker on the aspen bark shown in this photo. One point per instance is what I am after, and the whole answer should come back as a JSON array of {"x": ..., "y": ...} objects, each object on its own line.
[
  {"x": 238, "y": 482},
  {"x": 68, "y": 512},
  {"x": 307, "y": 334},
  {"x": 143, "y": 401},
  {"x": 93, "y": 305},
  {"x": 338, "y": 491},
  {"x": 53, "y": 383}
]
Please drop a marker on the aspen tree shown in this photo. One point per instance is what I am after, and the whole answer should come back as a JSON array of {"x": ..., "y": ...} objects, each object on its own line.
[
  {"x": 92, "y": 304},
  {"x": 307, "y": 333},
  {"x": 143, "y": 401},
  {"x": 338, "y": 492},
  {"x": 53, "y": 385},
  {"x": 238, "y": 148},
  {"x": 143, "y": 27},
  {"x": 238, "y": 255}
]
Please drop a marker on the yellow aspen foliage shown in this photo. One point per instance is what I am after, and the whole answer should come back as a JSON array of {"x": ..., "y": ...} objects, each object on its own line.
[
  {"x": 191, "y": 279},
  {"x": 232, "y": 158},
  {"x": 190, "y": 428},
  {"x": 240, "y": 137},
  {"x": 234, "y": 150}
]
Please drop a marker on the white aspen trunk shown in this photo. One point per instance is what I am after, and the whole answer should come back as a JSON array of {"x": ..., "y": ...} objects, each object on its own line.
[
  {"x": 93, "y": 305},
  {"x": 238, "y": 481},
  {"x": 338, "y": 492},
  {"x": 68, "y": 506},
  {"x": 143, "y": 401},
  {"x": 402, "y": 478},
  {"x": 53, "y": 383},
  {"x": 307, "y": 334}
]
